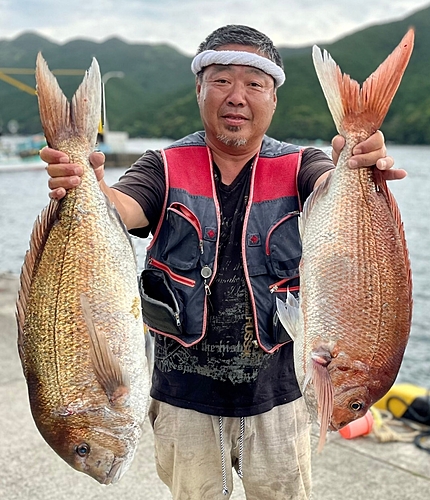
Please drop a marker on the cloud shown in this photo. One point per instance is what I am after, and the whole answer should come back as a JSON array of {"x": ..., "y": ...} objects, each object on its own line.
[{"x": 186, "y": 23}]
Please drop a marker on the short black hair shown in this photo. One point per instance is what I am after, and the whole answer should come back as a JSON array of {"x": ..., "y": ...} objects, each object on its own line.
[{"x": 242, "y": 35}]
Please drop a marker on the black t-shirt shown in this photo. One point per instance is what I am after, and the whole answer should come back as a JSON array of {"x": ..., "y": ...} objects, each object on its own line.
[{"x": 226, "y": 373}]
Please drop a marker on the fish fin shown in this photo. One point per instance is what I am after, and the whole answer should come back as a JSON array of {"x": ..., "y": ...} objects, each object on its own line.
[
  {"x": 301, "y": 225},
  {"x": 319, "y": 192},
  {"x": 39, "y": 235},
  {"x": 116, "y": 217},
  {"x": 362, "y": 108},
  {"x": 61, "y": 119},
  {"x": 149, "y": 348},
  {"x": 288, "y": 314},
  {"x": 107, "y": 368},
  {"x": 395, "y": 211},
  {"x": 323, "y": 392},
  {"x": 308, "y": 376}
]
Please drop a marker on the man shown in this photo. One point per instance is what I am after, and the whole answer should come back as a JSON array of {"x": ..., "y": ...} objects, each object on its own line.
[{"x": 222, "y": 206}]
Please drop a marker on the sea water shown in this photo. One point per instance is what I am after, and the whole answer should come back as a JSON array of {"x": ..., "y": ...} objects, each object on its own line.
[{"x": 24, "y": 194}]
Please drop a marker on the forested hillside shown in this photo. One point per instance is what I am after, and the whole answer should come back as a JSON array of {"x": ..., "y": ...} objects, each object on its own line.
[{"x": 156, "y": 96}]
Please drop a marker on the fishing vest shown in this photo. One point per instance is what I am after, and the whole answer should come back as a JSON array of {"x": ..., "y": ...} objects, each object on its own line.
[{"x": 181, "y": 261}]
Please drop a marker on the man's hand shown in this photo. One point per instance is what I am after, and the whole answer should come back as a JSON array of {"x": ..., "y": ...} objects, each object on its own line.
[
  {"x": 65, "y": 175},
  {"x": 370, "y": 152}
]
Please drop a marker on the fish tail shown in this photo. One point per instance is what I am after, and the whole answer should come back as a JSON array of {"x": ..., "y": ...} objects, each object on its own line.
[
  {"x": 365, "y": 107},
  {"x": 61, "y": 119}
]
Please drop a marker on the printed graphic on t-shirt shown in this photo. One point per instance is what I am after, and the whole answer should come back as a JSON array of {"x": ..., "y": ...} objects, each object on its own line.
[{"x": 228, "y": 351}]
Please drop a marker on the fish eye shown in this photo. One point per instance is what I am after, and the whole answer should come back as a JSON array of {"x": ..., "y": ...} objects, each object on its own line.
[
  {"x": 82, "y": 449},
  {"x": 356, "y": 405}
]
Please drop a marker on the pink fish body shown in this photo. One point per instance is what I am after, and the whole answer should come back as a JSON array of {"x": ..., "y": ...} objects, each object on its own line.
[{"x": 353, "y": 321}]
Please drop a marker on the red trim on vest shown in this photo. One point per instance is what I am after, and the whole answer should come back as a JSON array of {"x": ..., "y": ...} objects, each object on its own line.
[
  {"x": 273, "y": 178},
  {"x": 189, "y": 172}
]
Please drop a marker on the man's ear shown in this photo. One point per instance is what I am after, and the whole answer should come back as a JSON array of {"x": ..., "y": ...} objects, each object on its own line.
[{"x": 198, "y": 89}]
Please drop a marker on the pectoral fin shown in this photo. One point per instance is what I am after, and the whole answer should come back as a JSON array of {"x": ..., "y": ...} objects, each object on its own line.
[
  {"x": 149, "y": 348},
  {"x": 108, "y": 370},
  {"x": 288, "y": 313},
  {"x": 324, "y": 393}
]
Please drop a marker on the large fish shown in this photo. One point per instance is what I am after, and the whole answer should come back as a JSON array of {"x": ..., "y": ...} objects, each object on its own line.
[
  {"x": 80, "y": 330},
  {"x": 353, "y": 321}
]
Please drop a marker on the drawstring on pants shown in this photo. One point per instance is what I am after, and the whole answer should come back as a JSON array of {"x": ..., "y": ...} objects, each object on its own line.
[
  {"x": 222, "y": 449},
  {"x": 241, "y": 438}
]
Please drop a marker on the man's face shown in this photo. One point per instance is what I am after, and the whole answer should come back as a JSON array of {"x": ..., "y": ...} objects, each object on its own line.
[{"x": 236, "y": 103}]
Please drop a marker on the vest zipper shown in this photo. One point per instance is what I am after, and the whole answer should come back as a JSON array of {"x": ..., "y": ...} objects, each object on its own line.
[
  {"x": 174, "y": 276},
  {"x": 275, "y": 287},
  {"x": 176, "y": 316}
]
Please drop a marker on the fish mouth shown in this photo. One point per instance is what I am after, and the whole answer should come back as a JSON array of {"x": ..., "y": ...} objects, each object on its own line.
[{"x": 115, "y": 473}]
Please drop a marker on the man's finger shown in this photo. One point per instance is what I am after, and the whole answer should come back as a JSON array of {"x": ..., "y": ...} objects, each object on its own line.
[
  {"x": 97, "y": 159},
  {"x": 64, "y": 170},
  {"x": 50, "y": 155},
  {"x": 64, "y": 182}
]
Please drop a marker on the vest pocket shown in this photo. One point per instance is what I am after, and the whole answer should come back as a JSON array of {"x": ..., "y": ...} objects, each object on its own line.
[
  {"x": 184, "y": 240},
  {"x": 283, "y": 246},
  {"x": 161, "y": 305}
]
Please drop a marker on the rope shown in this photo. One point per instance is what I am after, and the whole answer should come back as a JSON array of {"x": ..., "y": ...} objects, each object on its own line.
[{"x": 383, "y": 428}]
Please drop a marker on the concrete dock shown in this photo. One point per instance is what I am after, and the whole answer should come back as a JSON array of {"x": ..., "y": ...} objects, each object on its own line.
[{"x": 356, "y": 469}]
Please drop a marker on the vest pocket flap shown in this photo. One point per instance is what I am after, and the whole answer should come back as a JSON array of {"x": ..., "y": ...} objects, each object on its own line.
[
  {"x": 283, "y": 246},
  {"x": 161, "y": 307},
  {"x": 184, "y": 241}
]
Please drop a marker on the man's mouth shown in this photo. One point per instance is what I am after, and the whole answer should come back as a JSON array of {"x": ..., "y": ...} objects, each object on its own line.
[{"x": 235, "y": 120}]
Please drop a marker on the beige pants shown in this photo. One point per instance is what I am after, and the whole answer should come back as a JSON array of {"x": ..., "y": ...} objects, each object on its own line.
[{"x": 276, "y": 452}]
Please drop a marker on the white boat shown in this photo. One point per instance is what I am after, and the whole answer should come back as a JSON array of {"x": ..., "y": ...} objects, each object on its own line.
[{"x": 20, "y": 153}]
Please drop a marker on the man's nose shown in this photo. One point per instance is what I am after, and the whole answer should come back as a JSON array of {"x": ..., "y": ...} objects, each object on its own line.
[{"x": 236, "y": 96}]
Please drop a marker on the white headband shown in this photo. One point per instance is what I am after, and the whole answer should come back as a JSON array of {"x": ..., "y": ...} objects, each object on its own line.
[{"x": 208, "y": 57}]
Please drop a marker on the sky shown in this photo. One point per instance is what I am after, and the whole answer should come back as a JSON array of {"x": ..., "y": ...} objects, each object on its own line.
[{"x": 185, "y": 23}]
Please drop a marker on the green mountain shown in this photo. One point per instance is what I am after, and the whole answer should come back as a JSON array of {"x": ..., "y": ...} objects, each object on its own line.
[{"x": 156, "y": 96}]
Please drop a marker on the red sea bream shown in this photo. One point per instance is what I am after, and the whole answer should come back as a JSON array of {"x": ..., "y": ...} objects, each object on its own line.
[{"x": 352, "y": 324}]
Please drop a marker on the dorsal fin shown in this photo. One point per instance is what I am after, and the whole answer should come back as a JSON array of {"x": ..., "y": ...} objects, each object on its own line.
[
  {"x": 318, "y": 193},
  {"x": 382, "y": 184},
  {"x": 39, "y": 235}
]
